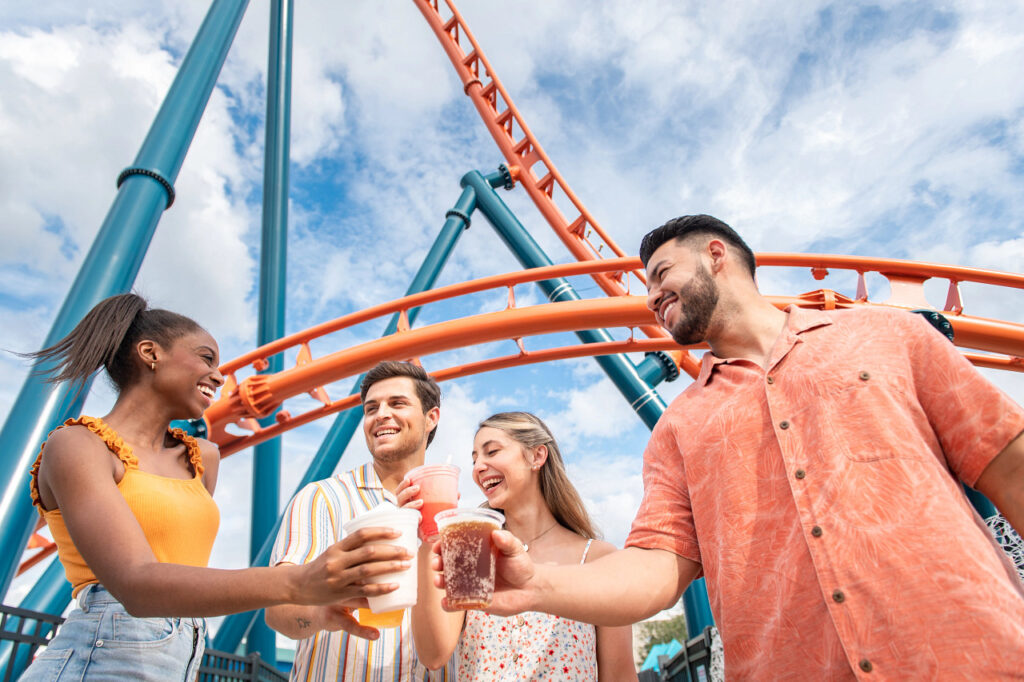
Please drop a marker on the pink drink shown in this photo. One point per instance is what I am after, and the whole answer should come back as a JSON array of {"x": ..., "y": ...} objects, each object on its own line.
[
  {"x": 439, "y": 490},
  {"x": 469, "y": 556}
]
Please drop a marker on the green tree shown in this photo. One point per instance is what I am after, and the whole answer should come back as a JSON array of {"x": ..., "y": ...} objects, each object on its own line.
[{"x": 659, "y": 632}]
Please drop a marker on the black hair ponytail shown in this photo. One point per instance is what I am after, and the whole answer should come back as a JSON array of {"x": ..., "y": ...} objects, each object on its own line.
[{"x": 106, "y": 337}]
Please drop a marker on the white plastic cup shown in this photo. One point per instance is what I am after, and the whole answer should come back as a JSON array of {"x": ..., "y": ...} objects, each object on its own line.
[{"x": 406, "y": 522}]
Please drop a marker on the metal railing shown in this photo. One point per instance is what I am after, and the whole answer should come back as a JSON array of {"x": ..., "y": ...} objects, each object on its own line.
[
  {"x": 22, "y": 632},
  {"x": 220, "y": 666},
  {"x": 691, "y": 664}
]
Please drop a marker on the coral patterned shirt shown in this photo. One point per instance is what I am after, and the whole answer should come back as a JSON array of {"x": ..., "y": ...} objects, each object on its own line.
[{"x": 822, "y": 499}]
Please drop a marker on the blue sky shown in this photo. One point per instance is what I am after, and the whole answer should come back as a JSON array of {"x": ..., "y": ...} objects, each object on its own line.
[{"x": 892, "y": 129}]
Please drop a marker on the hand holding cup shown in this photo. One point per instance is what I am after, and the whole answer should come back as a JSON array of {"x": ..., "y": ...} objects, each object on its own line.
[
  {"x": 352, "y": 569},
  {"x": 514, "y": 572},
  {"x": 403, "y": 524},
  {"x": 436, "y": 488}
]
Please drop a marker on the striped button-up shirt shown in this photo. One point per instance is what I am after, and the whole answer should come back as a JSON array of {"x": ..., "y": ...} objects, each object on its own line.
[
  {"x": 821, "y": 498},
  {"x": 313, "y": 523}
]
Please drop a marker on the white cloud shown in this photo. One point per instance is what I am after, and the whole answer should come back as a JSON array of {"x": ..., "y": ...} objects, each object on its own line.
[{"x": 611, "y": 487}]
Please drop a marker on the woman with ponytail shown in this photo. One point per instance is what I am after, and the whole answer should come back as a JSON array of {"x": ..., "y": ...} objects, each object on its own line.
[
  {"x": 129, "y": 504},
  {"x": 517, "y": 465}
]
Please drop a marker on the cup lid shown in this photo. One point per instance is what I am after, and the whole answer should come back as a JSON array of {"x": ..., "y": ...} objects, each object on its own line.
[
  {"x": 432, "y": 469},
  {"x": 469, "y": 514},
  {"x": 384, "y": 514}
]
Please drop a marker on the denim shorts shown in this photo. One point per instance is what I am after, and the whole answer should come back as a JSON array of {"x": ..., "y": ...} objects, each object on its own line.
[{"x": 101, "y": 641}]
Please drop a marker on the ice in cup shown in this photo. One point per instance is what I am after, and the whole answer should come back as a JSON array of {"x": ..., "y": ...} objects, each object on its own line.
[
  {"x": 439, "y": 490},
  {"x": 469, "y": 555},
  {"x": 405, "y": 521}
]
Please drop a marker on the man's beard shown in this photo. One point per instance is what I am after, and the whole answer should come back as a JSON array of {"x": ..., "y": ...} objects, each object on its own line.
[{"x": 697, "y": 302}]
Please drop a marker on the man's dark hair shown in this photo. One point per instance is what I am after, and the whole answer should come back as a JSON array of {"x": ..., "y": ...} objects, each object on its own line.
[
  {"x": 427, "y": 389},
  {"x": 692, "y": 225}
]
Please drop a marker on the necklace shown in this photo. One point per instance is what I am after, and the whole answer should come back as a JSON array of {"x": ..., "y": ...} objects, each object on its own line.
[{"x": 526, "y": 545}]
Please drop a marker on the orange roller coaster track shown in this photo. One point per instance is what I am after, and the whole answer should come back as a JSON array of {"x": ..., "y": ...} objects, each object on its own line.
[
  {"x": 1001, "y": 344},
  {"x": 527, "y": 161}
]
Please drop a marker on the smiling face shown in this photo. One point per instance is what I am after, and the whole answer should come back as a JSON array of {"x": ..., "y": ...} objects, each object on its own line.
[
  {"x": 187, "y": 374},
  {"x": 501, "y": 466},
  {"x": 681, "y": 292},
  {"x": 394, "y": 423}
]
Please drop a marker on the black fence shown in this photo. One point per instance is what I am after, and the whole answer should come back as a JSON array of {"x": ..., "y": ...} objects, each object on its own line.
[
  {"x": 220, "y": 666},
  {"x": 22, "y": 632},
  {"x": 691, "y": 664}
]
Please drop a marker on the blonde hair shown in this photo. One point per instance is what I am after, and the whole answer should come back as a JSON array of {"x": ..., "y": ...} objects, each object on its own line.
[{"x": 558, "y": 492}]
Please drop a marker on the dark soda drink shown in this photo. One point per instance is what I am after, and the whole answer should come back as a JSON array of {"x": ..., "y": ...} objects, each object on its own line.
[{"x": 469, "y": 556}]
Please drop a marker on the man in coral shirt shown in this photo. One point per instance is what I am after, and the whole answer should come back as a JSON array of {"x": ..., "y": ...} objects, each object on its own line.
[{"x": 812, "y": 473}]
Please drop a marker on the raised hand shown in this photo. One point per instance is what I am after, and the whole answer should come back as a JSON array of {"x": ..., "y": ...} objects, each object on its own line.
[{"x": 408, "y": 495}]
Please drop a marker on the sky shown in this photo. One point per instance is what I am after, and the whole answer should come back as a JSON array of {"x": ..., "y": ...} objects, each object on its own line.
[{"x": 889, "y": 129}]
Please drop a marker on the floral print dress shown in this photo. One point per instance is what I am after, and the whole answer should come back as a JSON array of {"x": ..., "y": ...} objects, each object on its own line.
[{"x": 530, "y": 646}]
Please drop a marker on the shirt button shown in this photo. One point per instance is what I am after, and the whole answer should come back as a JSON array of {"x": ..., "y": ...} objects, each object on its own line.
[
  {"x": 515, "y": 657},
  {"x": 864, "y": 376},
  {"x": 865, "y": 665},
  {"x": 838, "y": 596},
  {"x": 770, "y": 379},
  {"x": 816, "y": 531},
  {"x": 99, "y": 642},
  {"x": 800, "y": 473},
  {"x": 783, "y": 424}
]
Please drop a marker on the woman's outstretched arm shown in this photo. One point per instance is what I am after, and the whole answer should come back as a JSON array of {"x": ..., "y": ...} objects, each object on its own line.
[{"x": 79, "y": 473}]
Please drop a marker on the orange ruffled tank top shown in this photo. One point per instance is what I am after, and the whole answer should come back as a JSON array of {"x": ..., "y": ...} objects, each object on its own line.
[{"x": 178, "y": 516}]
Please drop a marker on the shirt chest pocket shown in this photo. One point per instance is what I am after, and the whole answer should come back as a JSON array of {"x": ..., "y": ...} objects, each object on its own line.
[{"x": 872, "y": 414}]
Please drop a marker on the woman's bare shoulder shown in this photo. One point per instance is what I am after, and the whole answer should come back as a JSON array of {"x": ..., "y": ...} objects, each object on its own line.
[
  {"x": 600, "y": 548},
  {"x": 75, "y": 441}
]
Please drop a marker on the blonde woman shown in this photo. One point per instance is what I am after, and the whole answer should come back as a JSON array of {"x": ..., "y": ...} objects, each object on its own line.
[{"x": 517, "y": 465}]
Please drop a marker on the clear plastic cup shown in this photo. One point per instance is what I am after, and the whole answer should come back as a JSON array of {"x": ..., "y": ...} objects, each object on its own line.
[
  {"x": 469, "y": 555},
  {"x": 405, "y": 521},
  {"x": 439, "y": 490}
]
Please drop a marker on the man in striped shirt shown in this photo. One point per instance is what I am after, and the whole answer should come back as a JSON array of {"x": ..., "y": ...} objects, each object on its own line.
[{"x": 401, "y": 407}]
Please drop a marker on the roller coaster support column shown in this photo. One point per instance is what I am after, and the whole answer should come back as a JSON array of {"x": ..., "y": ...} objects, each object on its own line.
[
  {"x": 110, "y": 267},
  {"x": 266, "y": 461},
  {"x": 635, "y": 383},
  {"x": 620, "y": 369},
  {"x": 345, "y": 424}
]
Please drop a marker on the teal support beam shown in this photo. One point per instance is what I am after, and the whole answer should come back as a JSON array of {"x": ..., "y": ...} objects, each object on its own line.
[
  {"x": 982, "y": 504},
  {"x": 266, "y": 464},
  {"x": 642, "y": 397},
  {"x": 145, "y": 189},
  {"x": 235, "y": 627},
  {"x": 637, "y": 388}
]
